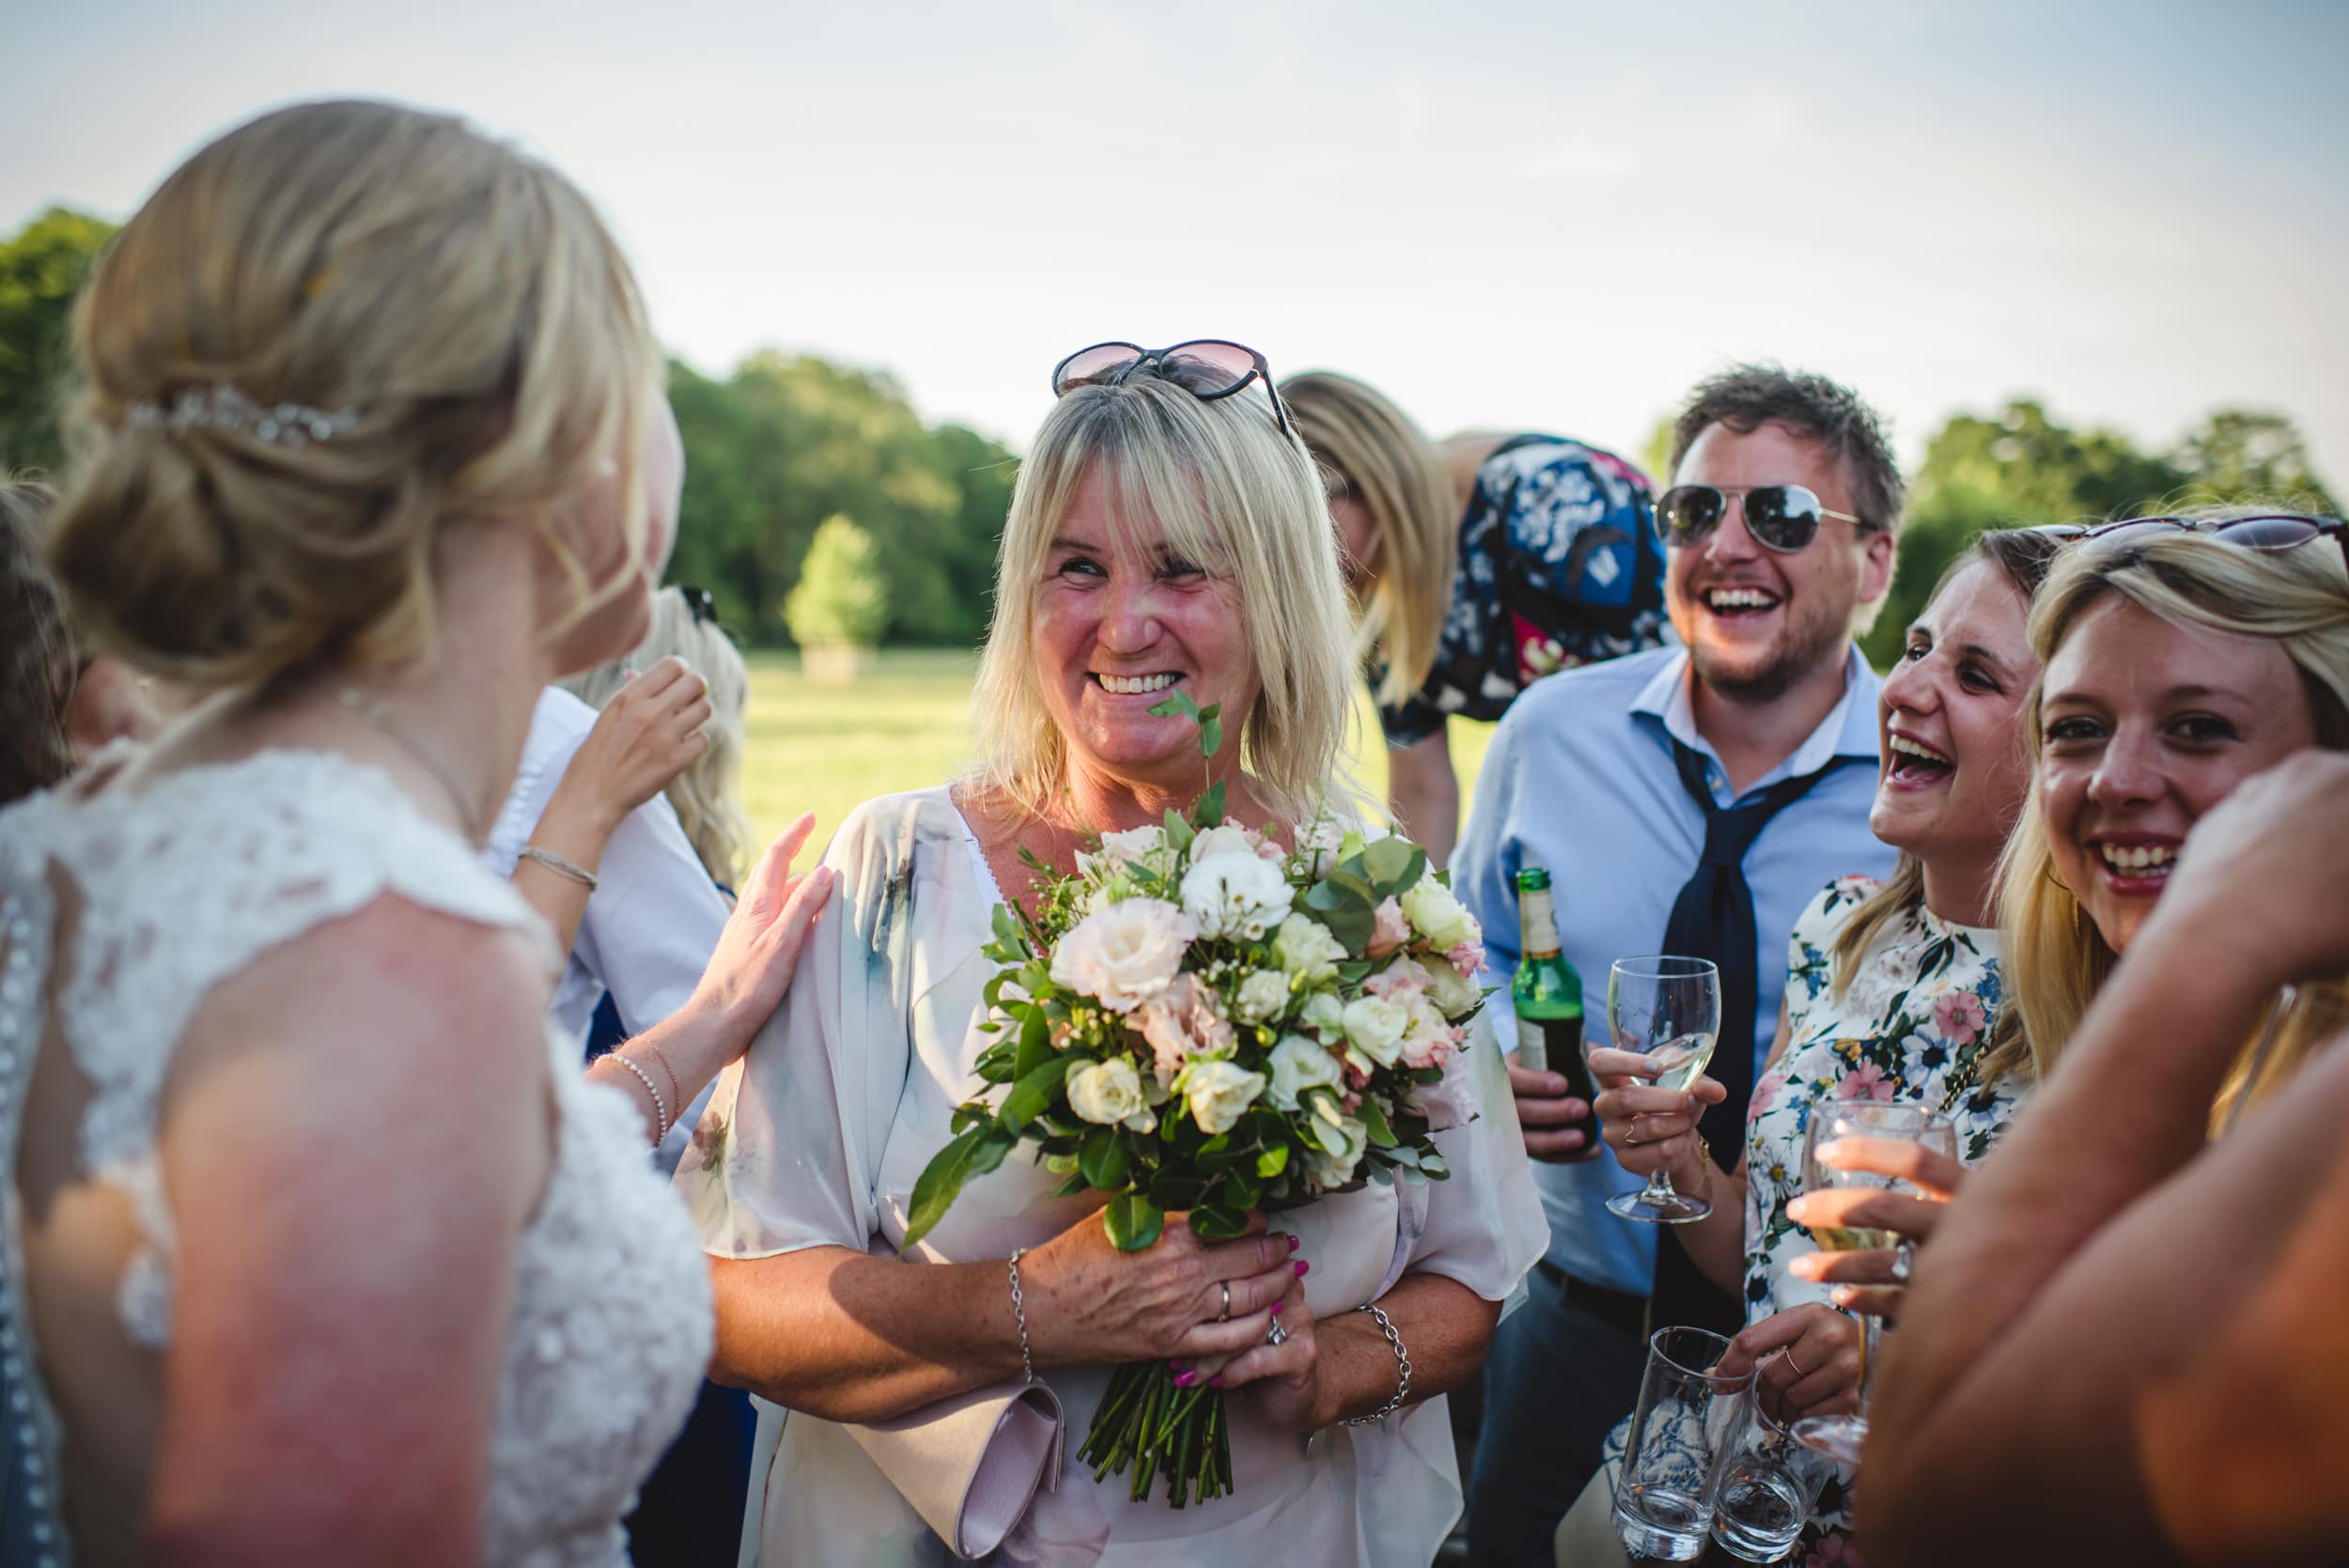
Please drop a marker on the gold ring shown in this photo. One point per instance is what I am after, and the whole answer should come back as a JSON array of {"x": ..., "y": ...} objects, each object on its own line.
[
  {"x": 1789, "y": 1354},
  {"x": 1225, "y": 1286}
]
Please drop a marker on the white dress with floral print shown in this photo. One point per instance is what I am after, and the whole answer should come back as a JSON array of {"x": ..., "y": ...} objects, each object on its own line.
[{"x": 1911, "y": 1022}]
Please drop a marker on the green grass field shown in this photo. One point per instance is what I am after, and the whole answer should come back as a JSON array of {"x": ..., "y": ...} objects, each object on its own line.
[{"x": 824, "y": 747}]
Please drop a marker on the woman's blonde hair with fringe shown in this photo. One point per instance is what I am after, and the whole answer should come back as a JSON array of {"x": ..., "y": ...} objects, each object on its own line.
[
  {"x": 1374, "y": 452},
  {"x": 2053, "y": 960},
  {"x": 461, "y": 300},
  {"x": 707, "y": 796},
  {"x": 1230, "y": 491}
]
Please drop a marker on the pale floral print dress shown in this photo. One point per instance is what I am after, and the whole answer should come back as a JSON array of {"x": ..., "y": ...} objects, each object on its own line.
[{"x": 1910, "y": 1027}]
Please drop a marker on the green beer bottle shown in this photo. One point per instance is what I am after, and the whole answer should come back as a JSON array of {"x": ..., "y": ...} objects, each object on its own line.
[{"x": 1548, "y": 999}]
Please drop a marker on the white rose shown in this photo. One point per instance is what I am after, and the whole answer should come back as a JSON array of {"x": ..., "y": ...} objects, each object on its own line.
[
  {"x": 1124, "y": 954},
  {"x": 1304, "y": 947},
  {"x": 1223, "y": 840},
  {"x": 1134, "y": 846},
  {"x": 1325, "y": 1014},
  {"x": 1300, "y": 1064},
  {"x": 1110, "y": 1093},
  {"x": 1235, "y": 895},
  {"x": 1262, "y": 996},
  {"x": 1219, "y": 1093},
  {"x": 1438, "y": 916},
  {"x": 1377, "y": 1028},
  {"x": 1456, "y": 996},
  {"x": 1329, "y": 1170}
]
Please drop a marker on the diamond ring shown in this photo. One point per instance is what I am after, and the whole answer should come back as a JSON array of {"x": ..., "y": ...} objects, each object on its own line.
[
  {"x": 1902, "y": 1256},
  {"x": 1277, "y": 1334}
]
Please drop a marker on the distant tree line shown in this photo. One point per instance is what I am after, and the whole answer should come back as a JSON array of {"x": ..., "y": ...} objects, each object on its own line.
[{"x": 784, "y": 442}]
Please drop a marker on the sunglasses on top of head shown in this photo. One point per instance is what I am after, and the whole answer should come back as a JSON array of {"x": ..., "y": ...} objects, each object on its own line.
[
  {"x": 2271, "y": 531},
  {"x": 1207, "y": 368},
  {"x": 1783, "y": 517}
]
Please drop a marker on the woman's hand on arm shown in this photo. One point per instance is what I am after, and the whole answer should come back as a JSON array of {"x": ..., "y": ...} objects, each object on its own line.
[
  {"x": 1653, "y": 1129},
  {"x": 646, "y": 735},
  {"x": 757, "y": 954},
  {"x": 847, "y": 1337},
  {"x": 346, "y": 1223}
]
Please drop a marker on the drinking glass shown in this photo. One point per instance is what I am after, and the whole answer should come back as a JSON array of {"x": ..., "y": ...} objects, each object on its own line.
[
  {"x": 1669, "y": 1009},
  {"x": 1686, "y": 1414},
  {"x": 1840, "y": 1437},
  {"x": 1764, "y": 1486}
]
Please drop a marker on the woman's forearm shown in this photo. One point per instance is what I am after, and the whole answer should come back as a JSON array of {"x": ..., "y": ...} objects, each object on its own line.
[
  {"x": 575, "y": 827},
  {"x": 1444, "y": 1325},
  {"x": 847, "y": 1337}
]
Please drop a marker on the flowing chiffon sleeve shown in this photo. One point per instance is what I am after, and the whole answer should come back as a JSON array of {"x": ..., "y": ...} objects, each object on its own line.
[
  {"x": 788, "y": 1157},
  {"x": 1483, "y": 1225}
]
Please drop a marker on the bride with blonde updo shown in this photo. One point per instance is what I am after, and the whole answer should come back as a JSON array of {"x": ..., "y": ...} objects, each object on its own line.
[{"x": 319, "y": 1249}]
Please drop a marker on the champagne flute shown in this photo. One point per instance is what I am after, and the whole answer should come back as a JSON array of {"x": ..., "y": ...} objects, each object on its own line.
[
  {"x": 1841, "y": 1437},
  {"x": 1668, "y": 1009}
]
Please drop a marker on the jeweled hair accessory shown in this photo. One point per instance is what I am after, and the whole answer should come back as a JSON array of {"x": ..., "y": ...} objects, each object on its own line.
[{"x": 222, "y": 407}]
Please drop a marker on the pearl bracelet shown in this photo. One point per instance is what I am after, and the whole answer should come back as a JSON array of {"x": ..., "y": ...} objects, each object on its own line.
[
  {"x": 1403, "y": 1358},
  {"x": 659, "y": 1106}
]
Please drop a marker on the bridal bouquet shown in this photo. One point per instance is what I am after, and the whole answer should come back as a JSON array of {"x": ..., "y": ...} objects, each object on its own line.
[{"x": 1200, "y": 1020}]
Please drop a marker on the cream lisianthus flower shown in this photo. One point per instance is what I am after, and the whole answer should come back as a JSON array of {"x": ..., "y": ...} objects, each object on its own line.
[
  {"x": 1262, "y": 995},
  {"x": 1220, "y": 1093},
  {"x": 1235, "y": 895},
  {"x": 1329, "y": 1170},
  {"x": 1110, "y": 1093},
  {"x": 1299, "y": 1064},
  {"x": 1224, "y": 839},
  {"x": 1456, "y": 996},
  {"x": 1144, "y": 846},
  {"x": 1377, "y": 1028},
  {"x": 1125, "y": 955},
  {"x": 1305, "y": 949},
  {"x": 1439, "y": 916},
  {"x": 1325, "y": 1014}
]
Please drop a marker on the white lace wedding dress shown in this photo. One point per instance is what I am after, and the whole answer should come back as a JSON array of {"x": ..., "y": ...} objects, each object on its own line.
[{"x": 155, "y": 899}]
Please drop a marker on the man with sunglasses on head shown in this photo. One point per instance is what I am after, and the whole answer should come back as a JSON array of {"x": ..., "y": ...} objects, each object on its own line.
[{"x": 1688, "y": 799}]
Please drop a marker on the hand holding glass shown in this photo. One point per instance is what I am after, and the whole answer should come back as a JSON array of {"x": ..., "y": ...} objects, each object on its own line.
[{"x": 1668, "y": 1009}]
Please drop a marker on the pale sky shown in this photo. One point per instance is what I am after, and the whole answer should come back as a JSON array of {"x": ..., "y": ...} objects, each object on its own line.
[{"x": 1524, "y": 216}]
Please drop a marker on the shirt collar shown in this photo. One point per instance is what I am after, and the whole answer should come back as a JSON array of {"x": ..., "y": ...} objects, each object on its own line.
[{"x": 1850, "y": 729}]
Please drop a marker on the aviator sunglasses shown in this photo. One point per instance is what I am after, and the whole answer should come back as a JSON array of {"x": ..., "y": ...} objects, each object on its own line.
[
  {"x": 2270, "y": 531},
  {"x": 1207, "y": 368},
  {"x": 1783, "y": 517}
]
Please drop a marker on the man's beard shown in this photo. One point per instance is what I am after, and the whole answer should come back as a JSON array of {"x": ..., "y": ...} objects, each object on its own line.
[{"x": 1809, "y": 641}]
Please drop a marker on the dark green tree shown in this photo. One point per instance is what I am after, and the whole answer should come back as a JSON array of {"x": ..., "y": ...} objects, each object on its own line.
[{"x": 42, "y": 269}]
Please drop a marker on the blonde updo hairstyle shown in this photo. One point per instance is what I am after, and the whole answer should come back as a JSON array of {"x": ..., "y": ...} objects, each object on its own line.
[
  {"x": 463, "y": 301},
  {"x": 706, "y": 795},
  {"x": 1233, "y": 494},
  {"x": 2053, "y": 958}
]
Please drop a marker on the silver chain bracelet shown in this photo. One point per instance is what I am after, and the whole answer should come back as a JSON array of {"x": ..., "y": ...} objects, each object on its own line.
[
  {"x": 1403, "y": 1357},
  {"x": 1020, "y": 1311}
]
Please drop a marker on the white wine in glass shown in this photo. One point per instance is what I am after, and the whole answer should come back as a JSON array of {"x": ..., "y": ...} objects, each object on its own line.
[
  {"x": 1841, "y": 1437},
  {"x": 1668, "y": 1008}
]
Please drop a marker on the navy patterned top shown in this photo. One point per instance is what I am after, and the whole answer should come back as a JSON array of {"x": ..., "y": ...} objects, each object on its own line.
[{"x": 1559, "y": 565}]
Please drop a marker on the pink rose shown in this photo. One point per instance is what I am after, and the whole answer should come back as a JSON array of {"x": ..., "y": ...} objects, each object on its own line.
[
  {"x": 1404, "y": 975},
  {"x": 1467, "y": 960},
  {"x": 1180, "y": 1023},
  {"x": 1389, "y": 929},
  {"x": 1427, "y": 1040},
  {"x": 1959, "y": 1017},
  {"x": 1125, "y": 955},
  {"x": 1450, "y": 1102},
  {"x": 1865, "y": 1082}
]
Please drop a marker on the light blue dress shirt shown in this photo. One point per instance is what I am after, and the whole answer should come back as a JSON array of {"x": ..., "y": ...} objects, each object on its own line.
[{"x": 1580, "y": 780}]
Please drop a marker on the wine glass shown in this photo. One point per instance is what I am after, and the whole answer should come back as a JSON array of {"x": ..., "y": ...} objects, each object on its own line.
[
  {"x": 1669, "y": 1009},
  {"x": 1840, "y": 1437}
]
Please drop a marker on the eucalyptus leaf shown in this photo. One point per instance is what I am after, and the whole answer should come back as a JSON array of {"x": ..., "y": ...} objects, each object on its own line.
[
  {"x": 1374, "y": 1119},
  {"x": 1176, "y": 704},
  {"x": 1274, "y": 1161},
  {"x": 1209, "y": 812}
]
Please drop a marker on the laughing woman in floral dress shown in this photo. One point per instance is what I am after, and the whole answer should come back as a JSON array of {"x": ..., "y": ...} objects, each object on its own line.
[{"x": 1891, "y": 993}]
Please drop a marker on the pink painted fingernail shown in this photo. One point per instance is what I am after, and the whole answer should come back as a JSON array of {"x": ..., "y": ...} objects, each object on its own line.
[
  {"x": 1185, "y": 1380},
  {"x": 1180, "y": 1366},
  {"x": 1216, "y": 1382},
  {"x": 1295, "y": 1244},
  {"x": 1276, "y": 1309},
  {"x": 1303, "y": 1268}
]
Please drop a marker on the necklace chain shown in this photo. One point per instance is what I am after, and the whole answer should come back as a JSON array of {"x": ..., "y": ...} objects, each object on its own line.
[{"x": 374, "y": 711}]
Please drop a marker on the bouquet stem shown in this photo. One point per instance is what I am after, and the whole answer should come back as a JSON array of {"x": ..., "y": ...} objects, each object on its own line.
[{"x": 1147, "y": 1424}]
